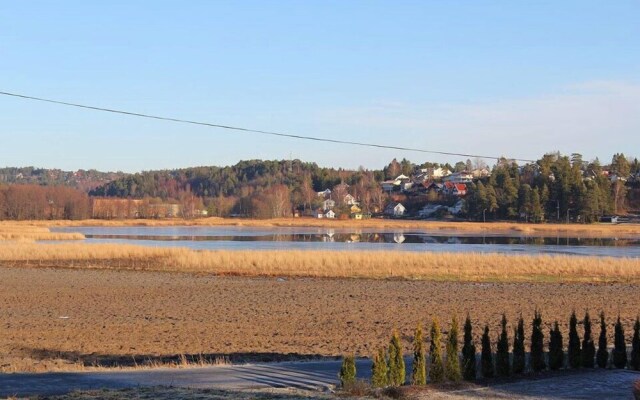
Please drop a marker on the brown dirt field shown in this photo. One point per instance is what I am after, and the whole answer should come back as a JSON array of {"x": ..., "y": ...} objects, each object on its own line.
[{"x": 116, "y": 315}]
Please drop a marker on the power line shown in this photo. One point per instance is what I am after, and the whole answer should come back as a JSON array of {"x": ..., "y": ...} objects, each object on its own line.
[{"x": 235, "y": 128}]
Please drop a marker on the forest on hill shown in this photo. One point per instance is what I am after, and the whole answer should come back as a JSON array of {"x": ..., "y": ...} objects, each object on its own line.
[{"x": 554, "y": 188}]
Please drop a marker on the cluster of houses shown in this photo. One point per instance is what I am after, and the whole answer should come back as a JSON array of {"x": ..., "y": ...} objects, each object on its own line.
[{"x": 328, "y": 206}]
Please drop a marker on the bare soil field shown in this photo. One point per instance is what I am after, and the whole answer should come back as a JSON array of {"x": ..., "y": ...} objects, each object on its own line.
[{"x": 60, "y": 319}]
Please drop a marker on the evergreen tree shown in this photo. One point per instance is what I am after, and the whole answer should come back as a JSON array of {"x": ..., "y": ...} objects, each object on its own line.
[
  {"x": 486, "y": 357},
  {"x": 348, "y": 371},
  {"x": 502, "y": 354},
  {"x": 379, "y": 373},
  {"x": 518, "y": 348},
  {"x": 635, "y": 346},
  {"x": 574, "y": 342},
  {"x": 602, "y": 356},
  {"x": 619, "y": 355},
  {"x": 452, "y": 366},
  {"x": 436, "y": 369},
  {"x": 419, "y": 372},
  {"x": 588, "y": 347},
  {"x": 396, "y": 368},
  {"x": 537, "y": 344},
  {"x": 556, "y": 352},
  {"x": 468, "y": 352}
]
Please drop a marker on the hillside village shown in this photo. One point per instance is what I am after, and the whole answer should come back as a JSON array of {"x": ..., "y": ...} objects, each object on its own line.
[{"x": 554, "y": 188}]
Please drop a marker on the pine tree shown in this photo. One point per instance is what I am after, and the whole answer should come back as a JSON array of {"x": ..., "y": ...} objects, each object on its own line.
[
  {"x": 602, "y": 356},
  {"x": 379, "y": 373},
  {"x": 396, "y": 367},
  {"x": 588, "y": 348},
  {"x": 574, "y": 342},
  {"x": 348, "y": 371},
  {"x": 537, "y": 344},
  {"x": 635, "y": 346},
  {"x": 419, "y": 372},
  {"x": 452, "y": 366},
  {"x": 518, "y": 348},
  {"x": 468, "y": 352},
  {"x": 556, "y": 352},
  {"x": 619, "y": 355},
  {"x": 502, "y": 354},
  {"x": 486, "y": 357},
  {"x": 436, "y": 369}
]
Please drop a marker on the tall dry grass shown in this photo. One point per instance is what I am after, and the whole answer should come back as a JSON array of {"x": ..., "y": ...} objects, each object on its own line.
[
  {"x": 475, "y": 267},
  {"x": 590, "y": 230},
  {"x": 24, "y": 232}
]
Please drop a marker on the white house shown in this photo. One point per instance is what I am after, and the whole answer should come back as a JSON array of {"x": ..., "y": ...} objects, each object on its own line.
[
  {"x": 435, "y": 173},
  {"x": 388, "y": 186},
  {"x": 328, "y": 204},
  {"x": 459, "y": 177},
  {"x": 395, "y": 209},
  {"x": 330, "y": 214},
  {"x": 325, "y": 193}
]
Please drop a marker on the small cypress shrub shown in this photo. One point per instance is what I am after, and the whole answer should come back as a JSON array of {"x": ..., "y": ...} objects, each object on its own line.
[
  {"x": 468, "y": 352},
  {"x": 602, "y": 356},
  {"x": 486, "y": 356},
  {"x": 619, "y": 356},
  {"x": 574, "y": 342},
  {"x": 396, "y": 368},
  {"x": 419, "y": 372},
  {"x": 635, "y": 346},
  {"x": 537, "y": 344},
  {"x": 518, "y": 348},
  {"x": 502, "y": 354},
  {"x": 588, "y": 351},
  {"x": 348, "y": 371},
  {"x": 436, "y": 369},
  {"x": 556, "y": 352},
  {"x": 452, "y": 366},
  {"x": 379, "y": 377}
]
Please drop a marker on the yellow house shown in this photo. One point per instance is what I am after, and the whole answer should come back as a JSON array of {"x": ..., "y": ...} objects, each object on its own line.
[{"x": 355, "y": 209}]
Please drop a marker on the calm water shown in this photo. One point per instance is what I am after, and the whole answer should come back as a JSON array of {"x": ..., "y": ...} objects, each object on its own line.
[{"x": 247, "y": 238}]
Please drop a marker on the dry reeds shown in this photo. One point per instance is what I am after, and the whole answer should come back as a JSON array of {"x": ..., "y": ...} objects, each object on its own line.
[
  {"x": 23, "y": 232},
  {"x": 473, "y": 267}
]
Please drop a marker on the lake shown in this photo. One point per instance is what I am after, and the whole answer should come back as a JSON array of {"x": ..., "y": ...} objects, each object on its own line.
[{"x": 308, "y": 238}]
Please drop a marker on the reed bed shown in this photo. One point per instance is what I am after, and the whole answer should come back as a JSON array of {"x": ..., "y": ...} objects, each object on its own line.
[
  {"x": 472, "y": 267},
  {"x": 23, "y": 232}
]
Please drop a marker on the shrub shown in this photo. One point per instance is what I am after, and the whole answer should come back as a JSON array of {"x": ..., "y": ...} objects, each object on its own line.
[
  {"x": 419, "y": 372},
  {"x": 502, "y": 354},
  {"x": 396, "y": 367},
  {"x": 574, "y": 342},
  {"x": 602, "y": 356},
  {"x": 452, "y": 367},
  {"x": 468, "y": 352},
  {"x": 636, "y": 390},
  {"x": 379, "y": 370},
  {"x": 518, "y": 348},
  {"x": 588, "y": 348},
  {"x": 486, "y": 357},
  {"x": 556, "y": 352},
  {"x": 635, "y": 346},
  {"x": 348, "y": 371},
  {"x": 436, "y": 369},
  {"x": 537, "y": 343},
  {"x": 619, "y": 356}
]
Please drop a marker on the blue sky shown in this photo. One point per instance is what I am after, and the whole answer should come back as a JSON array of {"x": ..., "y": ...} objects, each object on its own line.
[{"x": 510, "y": 78}]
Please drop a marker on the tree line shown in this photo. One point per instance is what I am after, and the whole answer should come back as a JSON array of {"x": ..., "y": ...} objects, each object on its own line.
[{"x": 388, "y": 366}]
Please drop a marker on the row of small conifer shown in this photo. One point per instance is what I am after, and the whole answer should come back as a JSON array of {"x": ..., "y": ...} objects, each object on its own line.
[{"x": 388, "y": 367}]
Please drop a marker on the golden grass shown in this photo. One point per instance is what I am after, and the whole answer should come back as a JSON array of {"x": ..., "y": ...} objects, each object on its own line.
[
  {"x": 23, "y": 232},
  {"x": 473, "y": 267},
  {"x": 444, "y": 226}
]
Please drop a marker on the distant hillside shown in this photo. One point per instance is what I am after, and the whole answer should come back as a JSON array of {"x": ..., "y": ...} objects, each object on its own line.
[
  {"x": 239, "y": 180},
  {"x": 84, "y": 180}
]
